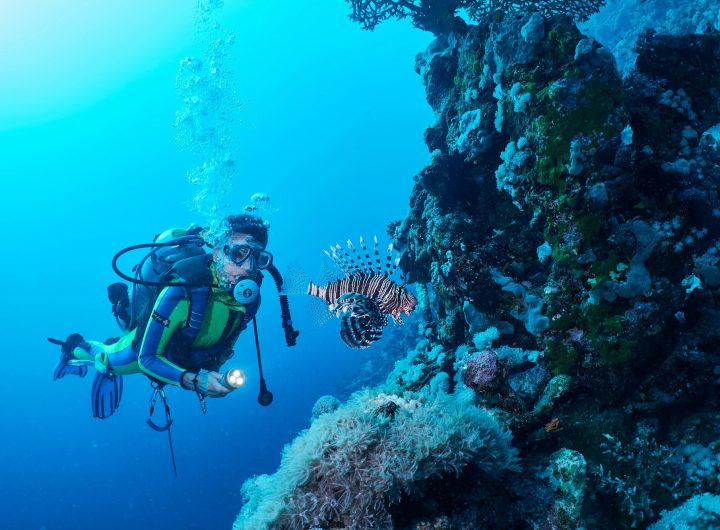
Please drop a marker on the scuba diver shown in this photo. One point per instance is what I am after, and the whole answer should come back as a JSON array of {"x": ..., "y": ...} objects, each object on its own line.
[{"x": 187, "y": 310}]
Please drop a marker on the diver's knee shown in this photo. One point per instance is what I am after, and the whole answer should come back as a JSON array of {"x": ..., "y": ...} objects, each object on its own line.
[{"x": 102, "y": 362}]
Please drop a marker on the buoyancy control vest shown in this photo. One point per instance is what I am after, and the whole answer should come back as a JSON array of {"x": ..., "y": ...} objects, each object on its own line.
[{"x": 178, "y": 258}]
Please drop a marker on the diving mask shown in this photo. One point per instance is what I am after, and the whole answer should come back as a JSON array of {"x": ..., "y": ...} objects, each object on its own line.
[{"x": 239, "y": 253}]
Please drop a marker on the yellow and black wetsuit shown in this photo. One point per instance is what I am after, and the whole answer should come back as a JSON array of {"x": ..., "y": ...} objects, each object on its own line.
[{"x": 178, "y": 337}]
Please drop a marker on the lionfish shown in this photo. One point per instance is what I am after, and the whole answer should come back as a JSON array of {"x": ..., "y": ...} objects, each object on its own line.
[{"x": 365, "y": 294}]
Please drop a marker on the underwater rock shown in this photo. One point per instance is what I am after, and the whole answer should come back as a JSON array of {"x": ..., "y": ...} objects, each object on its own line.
[
  {"x": 566, "y": 238},
  {"x": 478, "y": 322},
  {"x": 608, "y": 176},
  {"x": 577, "y": 190},
  {"x": 567, "y": 475},
  {"x": 554, "y": 390},
  {"x": 528, "y": 384}
]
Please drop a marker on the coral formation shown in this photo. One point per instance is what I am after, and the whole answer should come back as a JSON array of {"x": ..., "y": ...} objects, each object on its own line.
[
  {"x": 580, "y": 209},
  {"x": 701, "y": 512},
  {"x": 325, "y": 405},
  {"x": 439, "y": 15},
  {"x": 565, "y": 246},
  {"x": 357, "y": 465}
]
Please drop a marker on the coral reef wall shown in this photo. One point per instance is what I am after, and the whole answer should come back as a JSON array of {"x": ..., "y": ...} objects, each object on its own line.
[
  {"x": 564, "y": 242},
  {"x": 576, "y": 214},
  {"x": 619, "y": 24}
]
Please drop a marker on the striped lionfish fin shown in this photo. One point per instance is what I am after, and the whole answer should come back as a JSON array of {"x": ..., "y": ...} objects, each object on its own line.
[
  {"x": 368, "y": 260},
  {"x": 330, "y": 273},
  {"x": 319, "y": 312},
  {"x": 363, "y": 260},
  {"x": 340, "y": 262},
  {"x": 296, "y": 280},
  {"x": 362, "y": 324},
  {"x": 376, "y": 256},
  {"x": 356, "y": 256},
  {"x": 390, "y": 263},
  {"x": 350, "y": 259}
]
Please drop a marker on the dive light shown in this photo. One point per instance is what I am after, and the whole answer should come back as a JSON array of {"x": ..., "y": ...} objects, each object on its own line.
[{"x": 233, "y": 378}]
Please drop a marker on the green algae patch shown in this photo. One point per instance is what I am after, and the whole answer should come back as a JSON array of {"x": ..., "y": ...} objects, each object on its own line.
[
  {"x": 556, "y": 126},
  {"x": 560, "y": 357},
  {"x": 607, "y": 333}
]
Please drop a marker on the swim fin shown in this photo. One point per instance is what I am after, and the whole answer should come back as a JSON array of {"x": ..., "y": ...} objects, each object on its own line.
[
  {"x": 67, "y": 365},
  {"x": 63, "y": 368},
  {"x": 106, "y": 393}
]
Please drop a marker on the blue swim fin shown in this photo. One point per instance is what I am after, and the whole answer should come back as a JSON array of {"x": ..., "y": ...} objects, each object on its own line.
[
  {"x": 106, "y": 393},
  {"x": 63, "y": 368},
  {"x": 68, "y": 365}
]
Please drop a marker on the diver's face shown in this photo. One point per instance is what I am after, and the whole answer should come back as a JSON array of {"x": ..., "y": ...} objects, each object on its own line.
[{"x": 229, "y": 271}]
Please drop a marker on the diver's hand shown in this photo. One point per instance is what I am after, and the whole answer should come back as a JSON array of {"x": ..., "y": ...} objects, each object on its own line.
[{"x": 207, "y": 383}]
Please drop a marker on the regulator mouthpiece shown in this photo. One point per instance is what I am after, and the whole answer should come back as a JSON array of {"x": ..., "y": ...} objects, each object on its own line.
[
  {"x": 233, "y": 378},
  {"x": 246, "y": 291}
]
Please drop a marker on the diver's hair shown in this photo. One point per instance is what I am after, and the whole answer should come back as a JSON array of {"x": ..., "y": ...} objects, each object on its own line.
[{"x": 246, "y": 224}]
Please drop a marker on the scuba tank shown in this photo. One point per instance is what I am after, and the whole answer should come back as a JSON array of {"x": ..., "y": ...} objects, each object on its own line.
[{"x": 157, "y": 267}]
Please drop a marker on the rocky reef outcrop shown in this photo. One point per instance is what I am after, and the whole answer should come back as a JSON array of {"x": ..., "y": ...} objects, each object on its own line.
[
  {"x": 565, "y": 246},
  {"x": 575, "y": 213}
]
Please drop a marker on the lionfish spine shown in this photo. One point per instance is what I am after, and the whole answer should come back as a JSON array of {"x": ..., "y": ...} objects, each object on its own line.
[
  {"x": 368, "y": 260},
  {"x": 339, "y": 261},
  {"x": 389, "y": 263},
  {"x": 352, "y": 263},
  {"x": 355, "y": 257},
  {"x": 376, "y": 254}
]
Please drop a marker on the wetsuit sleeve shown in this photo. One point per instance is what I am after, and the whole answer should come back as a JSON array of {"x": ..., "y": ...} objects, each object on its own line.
[{"x": 169, "y": 315}]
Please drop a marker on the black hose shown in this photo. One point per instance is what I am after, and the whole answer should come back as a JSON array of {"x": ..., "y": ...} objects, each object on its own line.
[
  {"x": 183, "y": 240},
  {"x": 291, "y": 333},
  {"x": 265, "y": 397}
]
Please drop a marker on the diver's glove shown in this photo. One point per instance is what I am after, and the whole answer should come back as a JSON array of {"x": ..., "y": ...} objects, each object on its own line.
[{"x": 205, "y": 383}]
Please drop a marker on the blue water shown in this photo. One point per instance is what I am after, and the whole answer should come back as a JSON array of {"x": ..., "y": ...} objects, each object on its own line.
[{"x": 329, "y": 126}]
